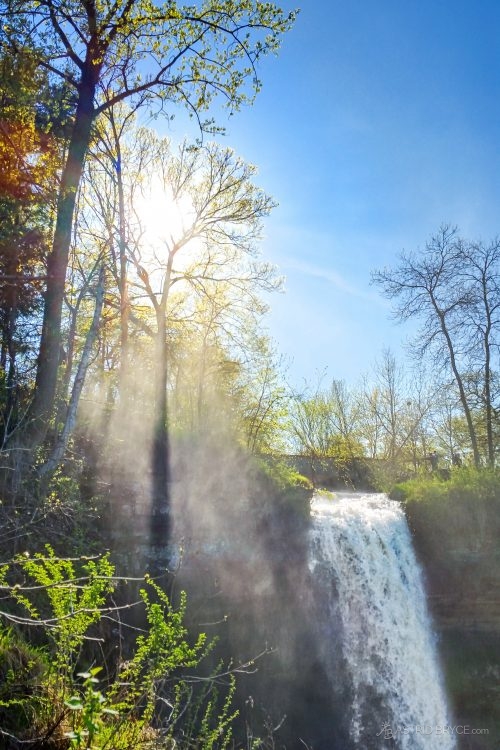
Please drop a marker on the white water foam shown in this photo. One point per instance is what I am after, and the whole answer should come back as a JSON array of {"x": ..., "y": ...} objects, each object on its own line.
[{"x": 387, "y": 640}]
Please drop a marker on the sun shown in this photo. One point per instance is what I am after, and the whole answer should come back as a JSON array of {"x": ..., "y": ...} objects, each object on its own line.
[{"x": 163, "y": 221}]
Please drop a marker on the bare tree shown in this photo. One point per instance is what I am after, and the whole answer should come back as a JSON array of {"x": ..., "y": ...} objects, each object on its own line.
[
  {"x": 325, "y": 425},
  {"x": 395, "y": 406},
  {"x": 479, "y": 272},
  {"x": 222, "y": 222},
  {"x": 428, "y": 286}
]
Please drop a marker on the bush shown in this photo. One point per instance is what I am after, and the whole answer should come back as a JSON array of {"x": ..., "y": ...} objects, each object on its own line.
[
  {"x": 65, "y": 605},
  {"x": 23, "y": 669},
  {"x": 284, "y": 487},
  {"x": 463, "y": 484},
  {"x": 455, "y": 524},
  {"x": 284, "y": 477}
]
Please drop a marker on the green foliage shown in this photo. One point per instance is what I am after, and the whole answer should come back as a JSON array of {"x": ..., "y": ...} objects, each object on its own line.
[
  {"x": 88, "y": 711},
  {"x": 283, "y": 476},
  {"x": 158, "y": 653},
  {"x": 386, "y": 475},
  {"x": 459, "y": 515},
  {"x": 74, "y": 603},
  {"x": 326, "y": 428},
  {"x": 284, "y": 486},
  {"x": 193, "y": 54},
  {"x": 61, "y": 602},
  {"x": 22, "y": 671},
  {"x": 455, "y": 524},
  {"x": 461, "y": 484},
  {"x": 208, "y": 723}
]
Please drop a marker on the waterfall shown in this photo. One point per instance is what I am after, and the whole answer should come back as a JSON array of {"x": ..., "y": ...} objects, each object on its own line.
[{"x": 361, "y": 548}]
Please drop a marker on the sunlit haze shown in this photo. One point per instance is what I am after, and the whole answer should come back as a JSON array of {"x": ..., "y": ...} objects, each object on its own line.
[{"x": 164, "y": 220}]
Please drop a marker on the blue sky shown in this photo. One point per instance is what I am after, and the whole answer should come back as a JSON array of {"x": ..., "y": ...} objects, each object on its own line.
[{"x": 377, "y": 122}]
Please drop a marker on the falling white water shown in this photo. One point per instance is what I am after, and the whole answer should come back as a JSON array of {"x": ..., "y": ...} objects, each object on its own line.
[{"x": 387, "y": 643}]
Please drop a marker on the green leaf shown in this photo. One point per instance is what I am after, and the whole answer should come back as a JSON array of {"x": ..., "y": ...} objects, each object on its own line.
[{"x": 74, "y": 703}]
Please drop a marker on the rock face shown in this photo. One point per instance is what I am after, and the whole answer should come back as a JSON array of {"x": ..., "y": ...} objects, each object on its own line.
[
  {"x": 457, "y": 545},
  {"x": 245, "y": 570}
]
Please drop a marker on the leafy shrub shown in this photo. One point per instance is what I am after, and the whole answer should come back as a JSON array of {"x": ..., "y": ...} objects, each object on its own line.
[
  {"x": 283, "y": 487},
  {"x": 283, "y": 476},
  {"x": 453, "y": 518},
  {"x": 65, "y": 601},
  {"x": 23, "y": 669}
]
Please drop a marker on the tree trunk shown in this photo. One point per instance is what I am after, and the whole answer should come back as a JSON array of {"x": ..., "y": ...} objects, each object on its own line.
[
  {"x": 122, "y": 248},
  {"x": 489, "y": 412},
  {"x": 487, "y": 375},
  {"x": 161, "y": 510},
  {"x": 160, "y": 522},
  {"x": 42, "y": 406},
  {"x": 57, "y": 454},
  {"x": 461, "y": 389}
]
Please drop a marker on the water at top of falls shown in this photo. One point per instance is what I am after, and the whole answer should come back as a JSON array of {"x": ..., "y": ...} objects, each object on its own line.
[{"x": 388, "y": 648}]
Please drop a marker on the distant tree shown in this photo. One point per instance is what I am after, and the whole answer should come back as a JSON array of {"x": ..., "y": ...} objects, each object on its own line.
[
  {"x": 447, "y": 426},
  {"x": 387, "y": 407},
  {"x": 479, "y": 272},
  {"x": 395, "y": 407},
  {"x": 224, "y": 376},
  {"x": 310, "y": 425},
  {"x": 324, "y": 424},
  {"x": 428, "y": 285},
  {"x": 108, "y": 52},
  {"x": 263, "y": 398}
]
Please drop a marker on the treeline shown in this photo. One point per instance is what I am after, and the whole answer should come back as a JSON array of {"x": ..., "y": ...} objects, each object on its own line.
[
  {"x": 442, "y": 407},
  {"x": 132, "y": 292},
  {"x": 129, "y": 265}
]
